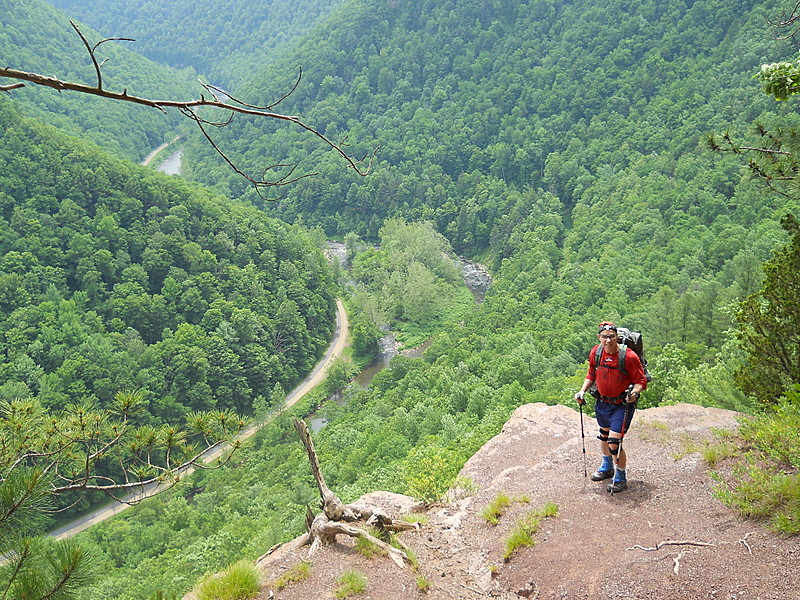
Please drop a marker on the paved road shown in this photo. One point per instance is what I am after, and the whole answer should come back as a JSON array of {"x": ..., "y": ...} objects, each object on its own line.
[{"x": 316, "y": 376}]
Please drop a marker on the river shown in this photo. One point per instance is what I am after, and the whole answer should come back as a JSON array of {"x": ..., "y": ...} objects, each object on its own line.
[
  {"x": 476, "y": 278},
  {"x": 172, "y": 164}
]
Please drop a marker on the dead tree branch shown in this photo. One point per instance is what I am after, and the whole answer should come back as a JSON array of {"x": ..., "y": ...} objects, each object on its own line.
[
  {"x": 230, "y": 105},
  {"x": 324, "y": 528},
  {"x": 770, "y": 164},
  {"x": 788, "y": 21}
]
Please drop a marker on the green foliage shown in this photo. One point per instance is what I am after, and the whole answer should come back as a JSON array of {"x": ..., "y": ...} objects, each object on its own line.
[
  {"x": 766, "y": 495},
  {"x": 522, "y": 533},
  {"x": 116, "y": 278},
  {"x": 780, "y": 80},
  {"x": 414, "y": 278},
  {"x": 339, "y": 375},
  {"x": 240, "y": 581},
  {"x": 430, "y": 471},
  {"x": 498, "y": 506},
  {"x": 415, "y": 518},
  {"x": 769, "y": 324},
  {"x": 224, "y": 40},
  {"x": 367, "y": 547},
  {"x": 350, "y": 583},
  {"x": 573, "y": 169},
  {"x": 768, "y": 486},
  {"x": 715, "y": 453},
  {"x": 709, "y": 384},
  {"x": 48, "y": 456},
  {"x": 38, "y": 568},
  {"x": 121, "y": 278},
  {"x": 495, "y": 509},
  {"x": 365, "y": 339},
  {"x": 776, "y": 433}
]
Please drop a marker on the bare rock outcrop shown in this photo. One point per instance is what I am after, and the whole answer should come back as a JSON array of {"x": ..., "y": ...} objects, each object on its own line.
[{"x": 665, "y": 537}]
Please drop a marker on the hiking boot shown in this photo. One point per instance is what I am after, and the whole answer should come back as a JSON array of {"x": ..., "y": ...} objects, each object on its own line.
[
  {"x": 617, "y": 486},
  {"x": 601, "y": 475}
]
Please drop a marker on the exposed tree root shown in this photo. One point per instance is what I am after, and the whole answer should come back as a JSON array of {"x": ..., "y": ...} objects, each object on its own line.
[
  {"x": 332, "y": 521},
  {"x": 670, "y": 543}
]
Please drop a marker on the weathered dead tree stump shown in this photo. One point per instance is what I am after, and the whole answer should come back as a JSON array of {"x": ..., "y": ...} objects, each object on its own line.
[{"x": 335, "y": 516}]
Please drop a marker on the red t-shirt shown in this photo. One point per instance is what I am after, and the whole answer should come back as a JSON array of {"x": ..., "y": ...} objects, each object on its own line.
[{"x": 611, "y": 381}]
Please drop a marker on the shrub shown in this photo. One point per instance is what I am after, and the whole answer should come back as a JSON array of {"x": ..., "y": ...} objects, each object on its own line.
[
  {"x": 240, "y": 581},
  {"x": 350, "y": 583},
  {"x": 522, "y": 533},
  {"x": 430, "y": 470},
  {"x": 769, "y": 486},
  {"x": 761, "y": 493}
]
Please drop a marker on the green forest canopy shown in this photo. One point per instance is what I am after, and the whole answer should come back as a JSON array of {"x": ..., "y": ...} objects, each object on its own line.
[
  {"x": 558, "y": 141},
  {"x": 225, "y": 40},
  {"x": 113, "y": 277}
]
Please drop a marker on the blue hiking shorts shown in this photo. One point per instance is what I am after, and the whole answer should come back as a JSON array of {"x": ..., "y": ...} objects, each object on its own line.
[{"x": 612, "y": 416}]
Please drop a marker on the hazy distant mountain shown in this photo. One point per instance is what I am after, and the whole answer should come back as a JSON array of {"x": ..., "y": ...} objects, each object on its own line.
[{"x": 226, "y": 40}]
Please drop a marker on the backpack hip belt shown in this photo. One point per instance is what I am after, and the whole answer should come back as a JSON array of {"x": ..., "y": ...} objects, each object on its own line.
[{"x": 617, "y": 400}]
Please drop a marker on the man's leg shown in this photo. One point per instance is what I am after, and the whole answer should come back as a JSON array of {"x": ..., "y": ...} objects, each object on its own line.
[
  {"x": 614, "y": 449},
  {"x": 606, "y": 468},
  {"x": 620, "y": 422}
]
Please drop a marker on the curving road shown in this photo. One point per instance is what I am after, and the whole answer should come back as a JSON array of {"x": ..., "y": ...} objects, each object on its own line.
[
  {"x": 317, "y": 375},
  {"x": 152, "y": 154}
]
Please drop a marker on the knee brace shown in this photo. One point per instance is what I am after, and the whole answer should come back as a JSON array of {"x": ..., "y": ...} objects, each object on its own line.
[
  {"x": 613, "y": 445},
  {"x": 603, "y": 437}
]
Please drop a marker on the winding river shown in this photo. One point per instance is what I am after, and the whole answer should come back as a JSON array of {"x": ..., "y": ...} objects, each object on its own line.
[{"x": 477, "y": 279}]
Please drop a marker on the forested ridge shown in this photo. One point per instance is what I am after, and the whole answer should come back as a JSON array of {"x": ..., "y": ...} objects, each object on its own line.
[
  {"x": 560, "y": 142},
  {"x": 114, "y": 278},
  {"x": 148, "y": 264},
  {"x": 37, "y": 38},
  {"x": 471, "y": 103}
]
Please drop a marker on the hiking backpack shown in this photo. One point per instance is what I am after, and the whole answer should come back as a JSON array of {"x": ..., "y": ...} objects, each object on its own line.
[{"x": 626, "y": 339}]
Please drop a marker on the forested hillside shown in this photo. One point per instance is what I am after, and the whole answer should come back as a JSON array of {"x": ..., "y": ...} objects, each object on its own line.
[
  {"x": 565, "y": 138},
  {"x": 35, "y": 37},
  {"x": 224, "y": 40},
  {"x": 473, "y": 102},
  {"x": 560, "y": 142},
  {"x": 114, "y": 277}
]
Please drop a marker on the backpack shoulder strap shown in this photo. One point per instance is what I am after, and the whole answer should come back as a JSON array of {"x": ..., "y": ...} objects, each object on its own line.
[
  {"x": 623, "y": 351},
  {"x": 597, "y": 354}
]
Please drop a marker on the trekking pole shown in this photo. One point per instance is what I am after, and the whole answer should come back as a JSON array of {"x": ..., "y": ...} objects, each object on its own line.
[{"x": 583, "y": 443}]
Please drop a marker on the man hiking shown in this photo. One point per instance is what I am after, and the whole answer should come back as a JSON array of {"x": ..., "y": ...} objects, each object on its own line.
[{"x": 618, "y": 387}]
